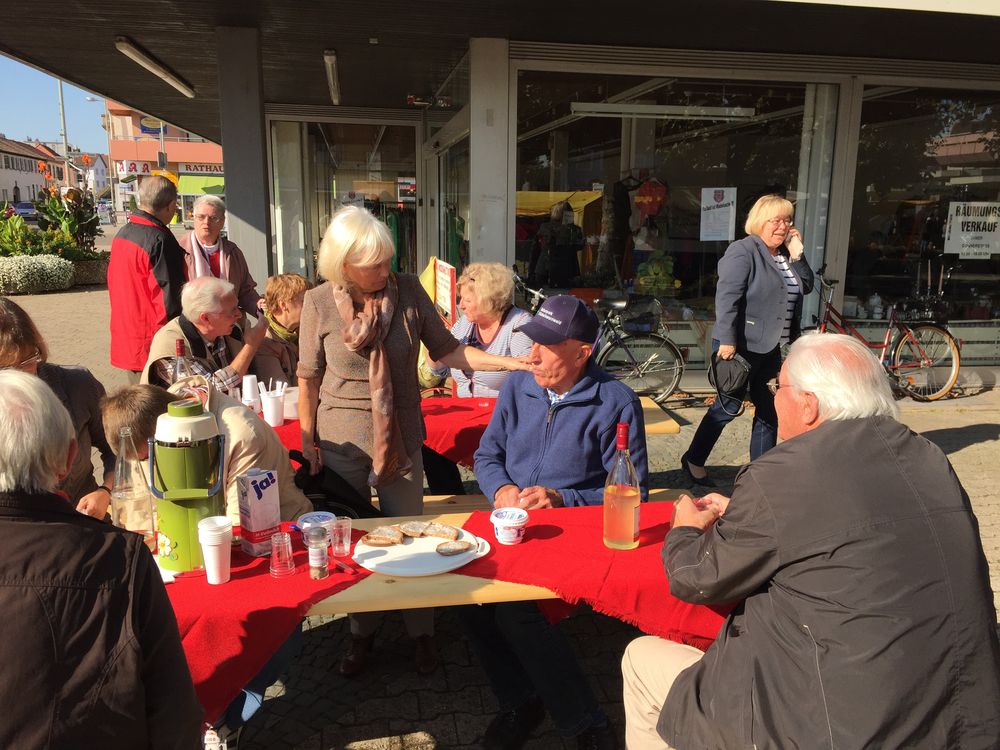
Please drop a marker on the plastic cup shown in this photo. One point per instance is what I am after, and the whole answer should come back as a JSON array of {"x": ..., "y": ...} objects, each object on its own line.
[
  {"x": 273, "y": 407},
  {"x": 509, "y": 524},
  {"x": 291, "y": 403},
  {"x": 282, "y": 563},
  {"x": 215, "y": 534},
  {"x": 340, "y": 536}
]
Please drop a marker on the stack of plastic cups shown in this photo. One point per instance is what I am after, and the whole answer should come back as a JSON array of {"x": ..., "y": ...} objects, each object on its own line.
[
  {"x": 251, "y": 394},
  {"x": 215, "y": 534}
]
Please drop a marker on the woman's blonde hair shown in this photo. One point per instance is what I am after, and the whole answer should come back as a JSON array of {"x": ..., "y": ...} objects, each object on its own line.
[
  {"x": 556, "y": 214},
  {"x": 19, "y": 337},
  {"x": 356, "y": 238},
  {"x": 494, "y": 285},
  {"x": 284, "y": 288},
  {"x": 767, "y": 207}
]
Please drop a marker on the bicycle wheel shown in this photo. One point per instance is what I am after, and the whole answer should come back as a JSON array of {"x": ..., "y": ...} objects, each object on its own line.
[
  {"x": 925, "y": 361},
  {"x": 648, "y": 363}
]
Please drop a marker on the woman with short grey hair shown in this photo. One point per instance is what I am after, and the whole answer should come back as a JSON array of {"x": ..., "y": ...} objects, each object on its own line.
[{"x": 208, "y": 253}]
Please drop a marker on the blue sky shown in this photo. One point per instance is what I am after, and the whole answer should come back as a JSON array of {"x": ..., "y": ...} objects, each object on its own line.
[{"x": 31, "y": 108}]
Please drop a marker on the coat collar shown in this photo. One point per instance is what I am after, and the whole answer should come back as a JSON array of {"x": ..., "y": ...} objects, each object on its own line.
[
  {"x": 15, "y": 503},
  {"x": 585, "y": 389},
  {"x": 141, "y": 217}
]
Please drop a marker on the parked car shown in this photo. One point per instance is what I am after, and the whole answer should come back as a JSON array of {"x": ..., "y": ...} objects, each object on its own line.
[{"x": 26, "y": 211}]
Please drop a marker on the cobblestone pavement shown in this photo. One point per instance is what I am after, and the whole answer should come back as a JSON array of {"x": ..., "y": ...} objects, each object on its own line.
[{"x": 389, "y": 706}]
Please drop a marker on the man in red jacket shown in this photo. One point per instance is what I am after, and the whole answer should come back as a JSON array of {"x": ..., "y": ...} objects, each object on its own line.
[{"x": 145, "y": 275}]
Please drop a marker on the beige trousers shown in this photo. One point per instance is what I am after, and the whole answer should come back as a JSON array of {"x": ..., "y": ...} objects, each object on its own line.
[
  {"x": 649, "y": 667},
  {"x": 404, "y": 497}
]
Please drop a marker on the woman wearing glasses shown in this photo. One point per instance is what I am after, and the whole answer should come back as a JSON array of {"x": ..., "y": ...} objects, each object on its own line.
[
  {"x": 23, "y": 348},
  {"x": 758, "y": 302},
  {"x": 489, "y": 317},
  {"x": 208, "y": 253}
]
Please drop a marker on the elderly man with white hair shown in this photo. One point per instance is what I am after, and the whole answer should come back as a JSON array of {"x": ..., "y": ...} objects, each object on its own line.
[
  {"x": 91, "y": 657},
  {"x": 212, "y": 343},
  {"x": 863, "y": 611},
  {"x": 208, "y": 253}
]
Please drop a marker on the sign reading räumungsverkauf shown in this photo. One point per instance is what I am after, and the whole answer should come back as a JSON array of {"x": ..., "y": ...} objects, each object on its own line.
[{"x": 973, "y": 230}]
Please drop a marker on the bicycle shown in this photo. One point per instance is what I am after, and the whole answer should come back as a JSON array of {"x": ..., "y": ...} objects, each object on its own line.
[
  {"x": 922, "y": 360},
  {"x": 648, "y": 363}
]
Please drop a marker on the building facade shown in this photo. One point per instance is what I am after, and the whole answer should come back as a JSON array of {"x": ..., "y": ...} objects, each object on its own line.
[
  {"x": 20, "y": 178},
  {"x": 134, "y": 140}
]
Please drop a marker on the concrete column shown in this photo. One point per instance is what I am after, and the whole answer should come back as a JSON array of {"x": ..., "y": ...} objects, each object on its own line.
[
  {"x": 244, "y": 148},
  {"x": 489, "y": 69}
]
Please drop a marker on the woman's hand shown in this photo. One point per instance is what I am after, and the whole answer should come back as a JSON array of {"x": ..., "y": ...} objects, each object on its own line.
[
  {"x": 726, "y": 351},
  {"x": 311, "y": 454},
  {"x": 793, "y": 241}
]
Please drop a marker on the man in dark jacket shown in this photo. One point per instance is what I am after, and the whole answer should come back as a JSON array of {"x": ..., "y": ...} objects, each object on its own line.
[
  {"x": 92, "y": 657},
  {"x": 865, "y": 617},
  {"x": 145, "y": 275},
  {"x": 550, "y": 443}
]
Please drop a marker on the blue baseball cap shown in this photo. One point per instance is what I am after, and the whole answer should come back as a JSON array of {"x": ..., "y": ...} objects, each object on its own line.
[{"x": 559, "y": 318}]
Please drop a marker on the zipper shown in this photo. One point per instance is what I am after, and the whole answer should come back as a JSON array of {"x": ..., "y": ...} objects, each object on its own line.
[
  {"x": 545, "y": 445},
  {"x": 819, "y": 678}
]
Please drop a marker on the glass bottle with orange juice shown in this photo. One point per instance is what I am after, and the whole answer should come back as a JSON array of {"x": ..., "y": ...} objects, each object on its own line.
[{"x": 621, "y": 498}]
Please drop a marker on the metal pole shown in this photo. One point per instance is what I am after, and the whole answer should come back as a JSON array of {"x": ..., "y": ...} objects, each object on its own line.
[{"x": 62, "y": 134}]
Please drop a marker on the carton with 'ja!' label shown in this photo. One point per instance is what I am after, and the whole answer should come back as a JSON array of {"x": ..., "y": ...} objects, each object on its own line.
[{"x": 260, "y": 513}]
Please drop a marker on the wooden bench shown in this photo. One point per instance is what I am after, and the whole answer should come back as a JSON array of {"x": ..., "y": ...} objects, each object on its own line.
[{"x": 658, "y": 422}]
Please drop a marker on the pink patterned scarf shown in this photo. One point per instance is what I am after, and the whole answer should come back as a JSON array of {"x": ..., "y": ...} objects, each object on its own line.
[{"x": 366, "y": 330}]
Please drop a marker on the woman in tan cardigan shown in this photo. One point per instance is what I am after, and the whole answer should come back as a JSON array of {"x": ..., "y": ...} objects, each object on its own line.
[{"x": 359, "y": 400}]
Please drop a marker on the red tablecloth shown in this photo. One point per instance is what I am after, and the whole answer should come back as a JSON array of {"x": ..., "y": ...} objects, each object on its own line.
[
  {"x": 563, "y": 551},
  {"x": 454, "y": 427},
  {"x": 229, "y": 632}
]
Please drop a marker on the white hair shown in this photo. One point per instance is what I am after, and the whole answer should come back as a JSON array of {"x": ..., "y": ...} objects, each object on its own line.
[
  {"x": 204, "y": 295},
  {"x": 210, "y": 200},
  {"x": 354, "y": 238},
  {"x": 846, "y": 378},
  {"x": 36, "y": 433}
]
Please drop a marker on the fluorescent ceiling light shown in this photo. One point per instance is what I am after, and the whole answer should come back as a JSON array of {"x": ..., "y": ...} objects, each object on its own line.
[
  {"x": 332, "y": 78},
  {"x": 659, "y": 111},
  {"x": 128, "y": 48}
]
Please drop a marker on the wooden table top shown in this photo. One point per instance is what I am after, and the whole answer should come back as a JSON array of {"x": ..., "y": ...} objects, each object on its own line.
[{"x": 380, "y": 593}]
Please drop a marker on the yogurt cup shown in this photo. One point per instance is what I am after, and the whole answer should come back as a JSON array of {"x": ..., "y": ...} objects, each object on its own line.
[
  {"x": 316, "y": 518},
  {"x": 509, "y": 524}
]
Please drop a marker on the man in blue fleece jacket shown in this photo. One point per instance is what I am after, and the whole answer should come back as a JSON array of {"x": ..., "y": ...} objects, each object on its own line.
[{"x": 550, "y": 443}]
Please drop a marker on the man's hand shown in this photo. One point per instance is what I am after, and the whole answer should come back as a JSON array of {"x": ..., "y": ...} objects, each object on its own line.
[
  {"x": 254, "y": 335},
  {"x": 689, "y": 513},
  {"x": 507, "y": 497},
  {"x": 539, "y": 497},
  {"x": 94, "y": 504},
  {"x": 713, "y": 500}
]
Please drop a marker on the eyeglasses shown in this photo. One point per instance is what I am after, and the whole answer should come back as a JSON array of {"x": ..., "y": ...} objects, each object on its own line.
[
  {"x": 34, "y": 359},
  {"x": 773, "y": 385},
  {"x": 778, "y": 221},
  {"x": 209, "y": 219}
]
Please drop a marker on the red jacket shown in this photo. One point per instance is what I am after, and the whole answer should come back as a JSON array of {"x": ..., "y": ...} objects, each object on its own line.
[{"x": 145, "y": 276}]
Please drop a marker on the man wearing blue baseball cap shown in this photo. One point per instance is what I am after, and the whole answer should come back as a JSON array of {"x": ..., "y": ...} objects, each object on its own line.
[{"x": 550, "y": 443}]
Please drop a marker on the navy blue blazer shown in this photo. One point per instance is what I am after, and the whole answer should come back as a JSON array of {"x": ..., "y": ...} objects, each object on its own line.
[{"x": 751, "y": 297}]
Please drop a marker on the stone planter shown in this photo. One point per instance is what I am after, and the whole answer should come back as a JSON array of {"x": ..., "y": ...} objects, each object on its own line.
[{"x": 88, "y": 272}]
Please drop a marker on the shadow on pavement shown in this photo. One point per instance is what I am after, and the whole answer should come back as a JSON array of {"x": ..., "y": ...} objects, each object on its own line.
[{"x": 954, "y": 439}]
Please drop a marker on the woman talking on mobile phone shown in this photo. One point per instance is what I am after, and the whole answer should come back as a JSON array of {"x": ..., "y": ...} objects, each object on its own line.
[{"x": 758, "y": 302}]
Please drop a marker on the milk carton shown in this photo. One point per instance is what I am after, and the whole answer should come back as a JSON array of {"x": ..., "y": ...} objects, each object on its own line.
[{"x": 260, "y": 513}]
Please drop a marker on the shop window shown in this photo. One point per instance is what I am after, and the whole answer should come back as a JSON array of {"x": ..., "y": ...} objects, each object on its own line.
[
  {"x": 319, "y": 167},
  {"x": 658, "y": 174},
  {"x": 927, "y": 199}
]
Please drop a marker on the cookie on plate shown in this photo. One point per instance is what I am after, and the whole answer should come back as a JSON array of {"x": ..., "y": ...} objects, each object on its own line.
[
  {"x": 442, "y": 530},
  {"x": 413, "y": 528},
  {"x": 454, "y": 548}
]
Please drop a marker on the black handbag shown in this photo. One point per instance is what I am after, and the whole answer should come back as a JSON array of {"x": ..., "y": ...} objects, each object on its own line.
[
  {"x": 331, "y": 492},
  {"x": 730, "y": 378}
]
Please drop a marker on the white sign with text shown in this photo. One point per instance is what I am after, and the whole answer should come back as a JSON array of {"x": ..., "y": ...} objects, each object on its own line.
[
  {"x": 718, "y": 214},
  {"x": 973, "y": 230}
]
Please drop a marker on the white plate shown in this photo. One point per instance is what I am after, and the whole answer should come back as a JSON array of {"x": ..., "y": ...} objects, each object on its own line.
[{"x": 418, "y": 556}]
